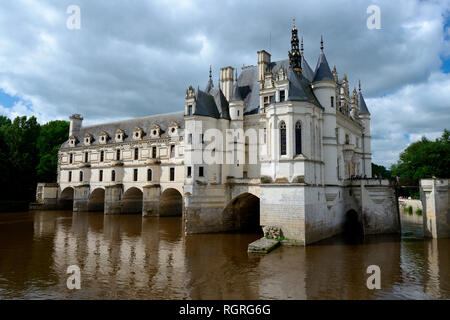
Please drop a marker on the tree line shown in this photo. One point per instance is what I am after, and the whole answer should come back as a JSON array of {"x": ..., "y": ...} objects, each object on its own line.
[
  {"x": 28, "y": 154},
  {"x": 420, "y": 160}
]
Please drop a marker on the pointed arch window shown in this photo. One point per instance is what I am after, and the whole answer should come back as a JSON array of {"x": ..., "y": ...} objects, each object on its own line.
[
  {"x": 283, "y": 138},
  {"x": 298, "y": 138}
]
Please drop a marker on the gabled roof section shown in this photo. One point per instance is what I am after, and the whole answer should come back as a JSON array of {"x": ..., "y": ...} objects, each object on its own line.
[
  {"x": 300, "y": 89},
  {"x": 323, "y": 71},
  {"x": 205, "y": 105},
  {"x": 221, "y": 103},
  {"x": 306, "y": 70},
  {"x": 362, "y": 104},
  {"x": 237, "y": 96}
]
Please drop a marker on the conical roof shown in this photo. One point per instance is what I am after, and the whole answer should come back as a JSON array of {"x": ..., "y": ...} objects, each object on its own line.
[
  {"x": 323, "y": 71},
  {"x": 362, "y": 104}
]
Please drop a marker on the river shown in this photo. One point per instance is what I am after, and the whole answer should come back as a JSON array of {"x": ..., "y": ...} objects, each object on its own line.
[{"x": 130, "y": 257}]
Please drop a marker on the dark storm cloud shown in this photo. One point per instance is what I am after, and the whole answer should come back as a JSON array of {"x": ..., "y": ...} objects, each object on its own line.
[{"x": 136, "y": 58}]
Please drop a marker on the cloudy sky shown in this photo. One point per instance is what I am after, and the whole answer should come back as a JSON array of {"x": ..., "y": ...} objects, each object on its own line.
[{"x": 136, "y": 58}]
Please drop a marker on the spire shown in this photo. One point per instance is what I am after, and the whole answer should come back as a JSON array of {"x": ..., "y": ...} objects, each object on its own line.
[
  {"x": 359, "y": 85},
  {"x": 295, "y": 56},
  {"x": 361, "y": 103},
  {"x": 323, "y": 71},
  {"x": 210, "y": 84},
  {"x": 301, "y": 49}
]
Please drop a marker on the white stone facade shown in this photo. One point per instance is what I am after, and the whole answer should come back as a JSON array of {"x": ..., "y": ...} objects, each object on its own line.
[{"x": 298, "y": 137}]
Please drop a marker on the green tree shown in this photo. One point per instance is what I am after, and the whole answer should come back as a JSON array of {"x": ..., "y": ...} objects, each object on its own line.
[
  {"x": 20, "y": 137},
  {"x": 380, "y": 171},
  {"x": 420, "y": 160},
  {"x": 52, "y": 135},
  {"x": 425, "y": 159}
]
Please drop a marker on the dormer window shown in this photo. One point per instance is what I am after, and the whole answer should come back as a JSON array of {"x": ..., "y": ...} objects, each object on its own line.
[
  {"x": 120, "y": 135},
  {"x": 103, "y": 137},
  {"x": 87, "y": 139},
  {"x": 173, "y": 128},
  {"x": 138, "y": 133},
  {"x": 72, "y": 141},
  {"x": 155, "y": 131}
]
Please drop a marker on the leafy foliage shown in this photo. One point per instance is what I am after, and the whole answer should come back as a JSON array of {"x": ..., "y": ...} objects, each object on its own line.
[
  {"x": 425, "y": 159},
  {"x": 28, "y": 154},
  {"x": 380, "y": 171}
]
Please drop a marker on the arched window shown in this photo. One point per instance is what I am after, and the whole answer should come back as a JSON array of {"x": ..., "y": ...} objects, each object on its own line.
[
  {"x": 283, "y": 138},
  {"x": 113, "y": 175},
  {"x": 81, "y": 176},
  {"x": 298, "y": 138},
  {"x": 149, "y": 175}
]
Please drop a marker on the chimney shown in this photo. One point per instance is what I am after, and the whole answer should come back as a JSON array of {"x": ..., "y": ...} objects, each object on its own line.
[
  {"x": 263, "y": 63},
  {"x": 226, "y": 81},
  {"x": 75, "y": 124}
]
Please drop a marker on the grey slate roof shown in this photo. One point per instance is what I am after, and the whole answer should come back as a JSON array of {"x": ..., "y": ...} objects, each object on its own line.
[
  {"x": 300, "y": 89},
  {"x": 306, "y": 70},
  {"x": 323, "y": 71},
  {"x": 249, "y": 88},
  {"x": 221, "y": 103},
  {"x": 362, "y": 105},
  {"x": 236, "y": 93},
  {"x": 163, "y": 120},
  {"x": 205, "y": 105}
]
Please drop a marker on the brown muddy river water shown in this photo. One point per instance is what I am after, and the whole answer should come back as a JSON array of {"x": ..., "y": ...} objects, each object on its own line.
[{"x": 130, "y": 257}]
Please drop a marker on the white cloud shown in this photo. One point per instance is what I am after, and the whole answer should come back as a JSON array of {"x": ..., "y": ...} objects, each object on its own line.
[{"x": 137, "y": 58}]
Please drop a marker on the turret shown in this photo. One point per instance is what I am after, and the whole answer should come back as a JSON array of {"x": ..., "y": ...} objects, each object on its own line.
[
  {"x": 324, "y": 85},
  {"x": 75, "y": 124},
  {"x": 364, "y": 116}
]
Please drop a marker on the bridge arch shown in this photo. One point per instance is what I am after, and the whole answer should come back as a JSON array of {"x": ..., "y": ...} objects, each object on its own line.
[
  {"x": 171, "y": 203},
  {"x": 353, "y": 224},
  {"x": 132, "y": 200},
  {"x": 97, "y": 200},
  {"x": 65, "y": 200},
  {"x": 242, "y": 214}
]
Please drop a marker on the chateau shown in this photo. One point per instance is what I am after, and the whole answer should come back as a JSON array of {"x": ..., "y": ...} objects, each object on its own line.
[{"x": 274, "y": 144}]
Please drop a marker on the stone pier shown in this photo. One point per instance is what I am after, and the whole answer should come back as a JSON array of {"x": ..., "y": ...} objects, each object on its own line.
[
  {"x": 151, "y": 200},
  {"x": 81, "y": 198},
  {"x": 113, "y": 199},
  {"x": 435, "y": 197}
]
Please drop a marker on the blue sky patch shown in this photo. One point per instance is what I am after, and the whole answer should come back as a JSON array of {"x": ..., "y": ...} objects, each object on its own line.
[{"x": 7, "y": 100}]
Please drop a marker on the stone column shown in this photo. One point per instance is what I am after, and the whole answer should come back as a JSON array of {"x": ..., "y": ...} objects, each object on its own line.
[
  {"x": 113, "y": 199},
  {"x": 435, "y": 198},
  {"x": 81, "y": 198},
  {"x": 150, "y": 200}
]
